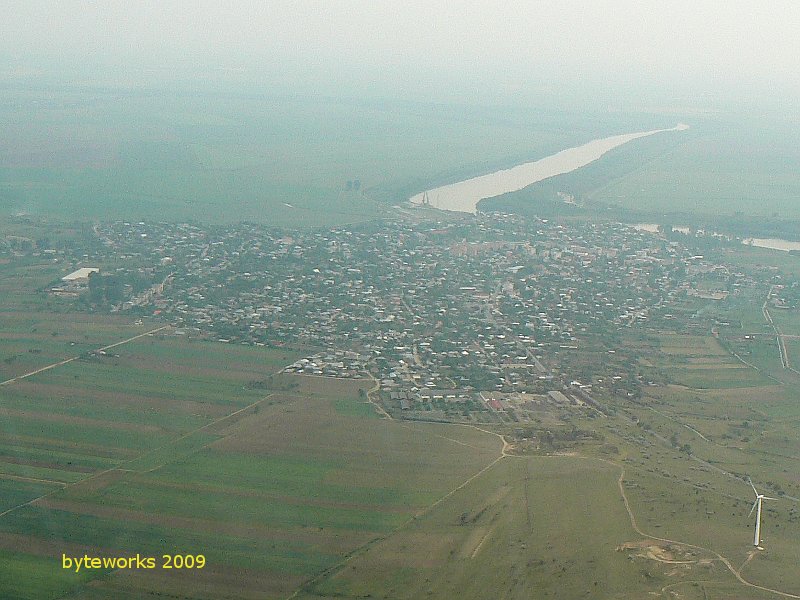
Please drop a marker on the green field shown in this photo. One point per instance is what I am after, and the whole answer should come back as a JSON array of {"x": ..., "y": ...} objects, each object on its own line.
[
  {"x": 793, "y": 349},
  {"x": 36, "y": 329},
  {"x": 527, "y": 527},
  {"x": 703, "y": 363},
  {"x": 726, "y": 174},
  {"x": 787, "y": 320},
  {"x": 72, "y": 154},
  {"x": 558, "y": 527},
  {"x": 175, "y": 444},
  {"x": 137, "y": 454},
  {"x": 719, "y": 170},
  {"x": 737, "y": 377},
  {"x": 159, "y": 450},
  {"x": 752, "y": 257}
]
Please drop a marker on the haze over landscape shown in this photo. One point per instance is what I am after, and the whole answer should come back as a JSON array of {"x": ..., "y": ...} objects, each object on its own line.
[
  {"x": 316, "y": 300},
  {"x": 672, "y": 55}
]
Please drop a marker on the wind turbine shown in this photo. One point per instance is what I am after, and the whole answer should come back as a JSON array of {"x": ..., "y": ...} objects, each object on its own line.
[{"x": 757, "y": 503}]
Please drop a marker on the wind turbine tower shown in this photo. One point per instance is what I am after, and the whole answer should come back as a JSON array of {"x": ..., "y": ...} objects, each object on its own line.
[{"x": 757, "y": 507}]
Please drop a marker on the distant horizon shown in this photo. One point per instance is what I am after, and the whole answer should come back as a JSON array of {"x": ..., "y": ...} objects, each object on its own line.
[
  {"x": 563, "y": 102},
  {"x": 616, "y": 55}
]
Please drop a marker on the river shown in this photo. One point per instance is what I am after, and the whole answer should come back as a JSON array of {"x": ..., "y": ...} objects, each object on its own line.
[
  {"x": 463, "y": 196},
  {"x": 773, "y": 244},
  {"x": 769, "y": 243}
]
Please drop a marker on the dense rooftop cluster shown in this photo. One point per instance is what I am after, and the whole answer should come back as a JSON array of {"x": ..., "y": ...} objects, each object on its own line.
[{"x": 490, "y": 303}]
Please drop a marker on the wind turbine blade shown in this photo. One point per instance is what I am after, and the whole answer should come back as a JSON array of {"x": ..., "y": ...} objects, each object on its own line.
[
  {"x": 752, "y": 509},
  {"x": 768, "y": 498},
  {"x": 752, "y": 486}
]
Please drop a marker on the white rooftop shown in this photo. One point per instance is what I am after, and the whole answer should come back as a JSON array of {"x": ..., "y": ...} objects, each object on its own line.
[{"x": 82, "y": 273}]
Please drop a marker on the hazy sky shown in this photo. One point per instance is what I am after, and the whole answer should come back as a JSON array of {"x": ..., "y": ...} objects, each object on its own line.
[{"x": 674, "y": 48}]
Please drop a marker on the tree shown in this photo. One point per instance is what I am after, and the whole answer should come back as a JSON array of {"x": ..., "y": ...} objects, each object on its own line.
[
  {"x": 95, "y": 288},
  {"x": 114, "y": 290}
]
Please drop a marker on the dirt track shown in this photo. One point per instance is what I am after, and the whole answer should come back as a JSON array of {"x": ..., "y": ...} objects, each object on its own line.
[{"x": 69, "y": 360}]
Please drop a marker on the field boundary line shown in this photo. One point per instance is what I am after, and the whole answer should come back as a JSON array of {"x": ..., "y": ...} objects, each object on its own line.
[
  {"x": 119, "y": 468},
  {"x": 189, "y": 433},
  {"x": 69, "y": 360},
  {"x": 682, "y": 424},
  {"x": 357, "y": 552},
  {"x": 779, "y": 337},
  {"x": 752, "y": 366},
  {"x": 483, "y": 539},
  {"x": 50, "y": 493},
  {"x": 33, "y": 479},
  {"x": 421, "y": 513},
  {"x": 426, "y": 510}
]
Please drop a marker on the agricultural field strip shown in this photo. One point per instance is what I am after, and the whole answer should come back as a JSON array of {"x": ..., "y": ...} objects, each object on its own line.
[
  {"x": 74, "y": 358},
  {"x": 201, "y": 428},
  {"x": 121, "y": 465},
  {"x": 65, "y": 486},
  {"x": 362, "y": 549},
  {"x": 233, "y": 414},
  {"x": 754, "y": 367},
  {"x": 46, "y": 368},
  {"x": 120, "y": 468},
  {"x": 32, "y": 479}
]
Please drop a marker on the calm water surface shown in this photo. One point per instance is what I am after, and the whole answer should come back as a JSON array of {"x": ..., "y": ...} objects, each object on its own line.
[
  {"x": 771, "y": 243},
  {"x": 464, "y": 196}
]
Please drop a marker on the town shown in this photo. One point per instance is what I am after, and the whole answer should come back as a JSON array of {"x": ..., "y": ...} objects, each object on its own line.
[{"x": 483, "y": 319}]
